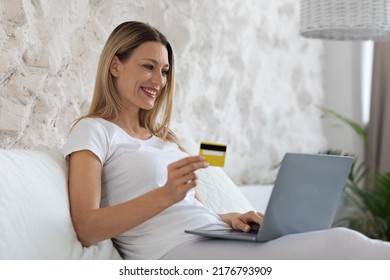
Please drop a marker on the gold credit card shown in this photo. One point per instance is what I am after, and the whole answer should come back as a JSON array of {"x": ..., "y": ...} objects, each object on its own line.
[{"x": 213, "y": 153}]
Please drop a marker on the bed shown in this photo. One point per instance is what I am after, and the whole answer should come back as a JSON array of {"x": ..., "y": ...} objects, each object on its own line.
[{"x": 36, "y": 224}]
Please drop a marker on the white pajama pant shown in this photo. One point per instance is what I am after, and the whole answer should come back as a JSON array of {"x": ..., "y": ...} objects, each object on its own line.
[{"x": 332, "y": 244}]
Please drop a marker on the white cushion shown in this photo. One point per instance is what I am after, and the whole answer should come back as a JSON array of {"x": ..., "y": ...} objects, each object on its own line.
[
  {"x": 35, "y": 220},
  {"x": 216, "y": 189}
]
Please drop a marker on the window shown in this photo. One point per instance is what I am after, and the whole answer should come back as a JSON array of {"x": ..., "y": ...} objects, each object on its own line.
[{"x": 367, "y": 60}]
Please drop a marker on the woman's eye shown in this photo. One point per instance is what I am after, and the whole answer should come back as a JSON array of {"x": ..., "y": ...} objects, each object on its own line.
[
  {"x": 165, "y": 72},
  {"x": 148, "y": 66}
]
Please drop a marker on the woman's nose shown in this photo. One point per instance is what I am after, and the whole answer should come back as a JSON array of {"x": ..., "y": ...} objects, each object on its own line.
[{"x": 158, "y": 78}]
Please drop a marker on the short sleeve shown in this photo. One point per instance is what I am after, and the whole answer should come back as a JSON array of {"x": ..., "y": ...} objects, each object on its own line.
[{"x": 87, "y": 134}]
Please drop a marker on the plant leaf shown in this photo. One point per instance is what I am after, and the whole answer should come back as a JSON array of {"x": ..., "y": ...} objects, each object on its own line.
[{"x": 354, "y": 125}]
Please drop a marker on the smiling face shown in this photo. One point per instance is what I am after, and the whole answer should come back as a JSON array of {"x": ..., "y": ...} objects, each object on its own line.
[{"x": 141, "y": 77}]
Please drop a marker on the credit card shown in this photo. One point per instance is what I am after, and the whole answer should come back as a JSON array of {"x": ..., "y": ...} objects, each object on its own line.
[{"x": 214, "y": 153}]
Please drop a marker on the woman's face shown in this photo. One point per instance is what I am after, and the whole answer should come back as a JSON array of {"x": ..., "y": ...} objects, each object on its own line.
[{"x": 140, "y": 79}]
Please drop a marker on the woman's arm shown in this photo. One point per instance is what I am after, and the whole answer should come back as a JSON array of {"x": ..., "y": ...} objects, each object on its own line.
[
  {"x": 93, "y": 224},
  {"x": 238, "y": 221},
  {"x": 243, "y": 222}
]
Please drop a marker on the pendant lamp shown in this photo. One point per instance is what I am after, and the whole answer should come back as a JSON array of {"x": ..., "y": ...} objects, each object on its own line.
[{"x": 346, "y": 19}]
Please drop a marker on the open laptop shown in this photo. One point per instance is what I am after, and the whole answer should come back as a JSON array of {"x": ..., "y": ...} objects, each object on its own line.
[{"x": 304, "y": 198}]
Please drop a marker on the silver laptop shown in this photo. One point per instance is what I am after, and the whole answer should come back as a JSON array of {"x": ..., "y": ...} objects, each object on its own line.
[{"x": 304, "y": 198}]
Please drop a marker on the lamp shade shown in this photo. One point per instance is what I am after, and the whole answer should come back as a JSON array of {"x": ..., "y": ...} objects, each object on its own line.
[{"x": 346, "y": 19}]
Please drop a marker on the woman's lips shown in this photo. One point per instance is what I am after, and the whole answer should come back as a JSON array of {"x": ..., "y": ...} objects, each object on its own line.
[{"x": 151, "y": 92}]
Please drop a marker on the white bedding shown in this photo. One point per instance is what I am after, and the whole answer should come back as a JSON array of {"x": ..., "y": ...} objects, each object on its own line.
[
  {"x": 257, "y": 195},
  {"x": 35, "y": 221},
  {"x": 34, "y": 209}
]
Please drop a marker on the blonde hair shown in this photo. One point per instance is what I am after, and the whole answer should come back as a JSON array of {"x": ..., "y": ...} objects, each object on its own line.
[{"x": 106, "y": 103}]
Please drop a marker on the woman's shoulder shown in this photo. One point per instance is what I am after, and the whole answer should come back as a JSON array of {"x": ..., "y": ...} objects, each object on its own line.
[
  {"x": 88, "y": 121},
  {"x": 91, "y": 123},
  {"x": 91, "y": 126}
]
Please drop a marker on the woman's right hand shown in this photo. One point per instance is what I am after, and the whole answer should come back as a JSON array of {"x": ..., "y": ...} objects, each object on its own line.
[
  {"x": 94, "y": 224},
  {"x": 182, "y": 176}
]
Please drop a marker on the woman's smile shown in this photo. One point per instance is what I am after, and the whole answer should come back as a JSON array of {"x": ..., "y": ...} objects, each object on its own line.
[{"x": 150, "y": 91}]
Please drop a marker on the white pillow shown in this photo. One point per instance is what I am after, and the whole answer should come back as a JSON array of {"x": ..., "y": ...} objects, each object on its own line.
[
  {"x": 216, "y": 189},
  {"x": 35, "y": 221}
]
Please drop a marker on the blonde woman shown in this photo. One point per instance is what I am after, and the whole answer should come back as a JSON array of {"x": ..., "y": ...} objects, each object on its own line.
[{"x": 129, "y": 178}]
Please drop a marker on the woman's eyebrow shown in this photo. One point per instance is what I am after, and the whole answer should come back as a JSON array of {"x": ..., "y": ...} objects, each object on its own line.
[{"x": 155, "y": 61}]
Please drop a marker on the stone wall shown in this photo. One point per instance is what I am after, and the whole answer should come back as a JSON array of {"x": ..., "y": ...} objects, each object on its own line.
[{"x": 244, "y": 75}]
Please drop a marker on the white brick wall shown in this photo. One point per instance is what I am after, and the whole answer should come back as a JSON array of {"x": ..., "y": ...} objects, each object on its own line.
[{"x": 244, "y": 75}]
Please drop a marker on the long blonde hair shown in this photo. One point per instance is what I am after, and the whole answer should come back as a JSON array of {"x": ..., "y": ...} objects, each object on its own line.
[{"x": 106, "y": 103}]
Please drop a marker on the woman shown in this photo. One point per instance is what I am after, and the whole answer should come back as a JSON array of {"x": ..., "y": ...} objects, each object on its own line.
[{"x": 130, "y": 180}]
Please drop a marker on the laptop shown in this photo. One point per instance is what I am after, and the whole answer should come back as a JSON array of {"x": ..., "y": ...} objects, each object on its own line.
[{"x": 304, "y": 198}]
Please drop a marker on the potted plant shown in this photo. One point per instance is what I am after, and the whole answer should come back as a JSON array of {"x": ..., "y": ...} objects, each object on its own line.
[{"x": 367, "y": 195}]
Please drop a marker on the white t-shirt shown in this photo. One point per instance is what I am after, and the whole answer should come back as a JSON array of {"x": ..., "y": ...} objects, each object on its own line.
[{"x": 132, "y": 167}]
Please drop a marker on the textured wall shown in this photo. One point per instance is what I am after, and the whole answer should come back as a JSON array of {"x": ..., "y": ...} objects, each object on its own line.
[{"x": 244, "y": 75}]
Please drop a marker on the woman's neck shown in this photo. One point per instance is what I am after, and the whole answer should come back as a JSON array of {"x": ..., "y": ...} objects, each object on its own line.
[{"x": 130, "y": 124}]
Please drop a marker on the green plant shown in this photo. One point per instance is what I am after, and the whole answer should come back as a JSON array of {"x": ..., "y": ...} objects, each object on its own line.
[{"x": 367, "y": 195}]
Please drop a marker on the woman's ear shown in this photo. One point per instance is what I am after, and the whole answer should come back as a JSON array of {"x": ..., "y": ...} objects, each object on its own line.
[{"x": 114, "y": 66}]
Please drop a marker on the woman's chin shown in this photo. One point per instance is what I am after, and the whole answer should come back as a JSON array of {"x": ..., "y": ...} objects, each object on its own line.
[{"x": 148, "y": 107}]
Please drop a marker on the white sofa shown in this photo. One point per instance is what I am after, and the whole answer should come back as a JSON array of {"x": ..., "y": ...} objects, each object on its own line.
[{"x": 35, "y": 220}]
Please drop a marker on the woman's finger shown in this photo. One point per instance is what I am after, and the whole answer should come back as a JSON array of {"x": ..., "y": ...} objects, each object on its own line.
[
  {"x": 186, "y": 166},
  {"x": 252, "y": 217},
  {"x": 240, "y": 225},
  {"x": 186, "y": 178},
  {"x": 186, "y": 161}
]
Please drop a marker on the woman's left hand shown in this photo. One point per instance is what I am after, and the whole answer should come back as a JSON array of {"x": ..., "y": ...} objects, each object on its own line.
[{"x": 242, "y": 222}]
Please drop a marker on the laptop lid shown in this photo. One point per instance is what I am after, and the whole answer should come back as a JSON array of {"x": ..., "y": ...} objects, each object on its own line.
[{"x": 306, "y": 194}]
